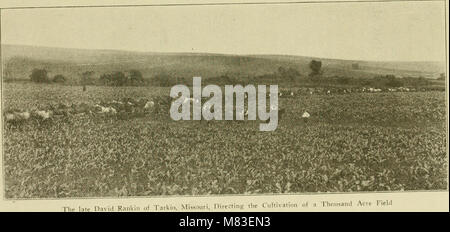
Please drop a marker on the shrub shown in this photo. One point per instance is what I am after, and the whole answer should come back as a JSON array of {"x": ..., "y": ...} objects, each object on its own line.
[
  {"x": 315, "y": 67},
  {"x": 59, "y": 78},
  {"x": 136, "y": 76},
  {"x": 114, "y": 79},
  {"x": 39, "y": 76}
]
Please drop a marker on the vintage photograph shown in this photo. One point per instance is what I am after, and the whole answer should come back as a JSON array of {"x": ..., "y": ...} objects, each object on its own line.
[{"x": 132, "y": 101}]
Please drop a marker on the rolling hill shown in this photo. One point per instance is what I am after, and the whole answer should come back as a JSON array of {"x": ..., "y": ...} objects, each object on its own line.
[{"x": 18, "y": 61}]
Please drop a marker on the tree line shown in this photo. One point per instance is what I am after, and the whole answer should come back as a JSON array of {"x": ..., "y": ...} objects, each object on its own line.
[
  {"x": 118, "y": 78},
  {"x": 288, "y": 75}
]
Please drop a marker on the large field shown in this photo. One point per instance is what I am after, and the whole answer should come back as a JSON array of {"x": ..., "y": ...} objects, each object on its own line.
[{"x": 352, "y": 142}]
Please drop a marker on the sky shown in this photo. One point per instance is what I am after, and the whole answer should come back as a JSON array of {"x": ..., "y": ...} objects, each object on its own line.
[{"x": 383, "y": 31}]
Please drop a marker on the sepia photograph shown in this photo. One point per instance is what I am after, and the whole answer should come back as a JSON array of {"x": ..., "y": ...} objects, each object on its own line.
[{"x": 234, "y": 99}]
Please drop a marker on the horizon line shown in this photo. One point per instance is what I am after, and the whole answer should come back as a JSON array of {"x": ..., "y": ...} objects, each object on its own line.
[{"x": 223, "y": 54}]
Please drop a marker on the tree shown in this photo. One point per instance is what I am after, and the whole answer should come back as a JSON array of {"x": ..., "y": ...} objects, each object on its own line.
[
  {"x": 355, "y": 66},
  {"x": 114, "y": 79},
  {"x": 106, "y": 78},
  {"x": 315, "y": 67},
  {"x": 59, "y": 78},
  {"x": 39, "y": 76},
  {"x": 119, "y": 79},
  {"x": 136, "y": 76}
]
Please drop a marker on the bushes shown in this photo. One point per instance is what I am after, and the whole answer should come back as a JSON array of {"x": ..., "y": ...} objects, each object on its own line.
[
  {"x": 59, "y": 78},
  {"x": 135, "y": 76},
  {"x": 114, "y": 79},
  {"x": 39, "y": 76},
  {"x": 131, "y": 77},
  {"x": 315, "y": 67},
  {"x": 282, "y": 76}
]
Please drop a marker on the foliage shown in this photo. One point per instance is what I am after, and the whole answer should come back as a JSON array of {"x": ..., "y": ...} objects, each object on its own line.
[
  {"x": 352, "y": 142},
  {"x": 135, "y": 76},
  {"x": 114, "y": 79},
  {"x": 315, "y": 67},
  {"x": 39, "y": 76},
  {"x": 59, "y": 78},
  {"x": 131, "y": 77}
]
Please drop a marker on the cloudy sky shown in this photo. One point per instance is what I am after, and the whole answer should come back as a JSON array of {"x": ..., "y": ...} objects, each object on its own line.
[{"x": 407, "y": 31}]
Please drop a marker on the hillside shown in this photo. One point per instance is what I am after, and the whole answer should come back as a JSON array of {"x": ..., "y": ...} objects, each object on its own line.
[{"x": 18, "y": 61}]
